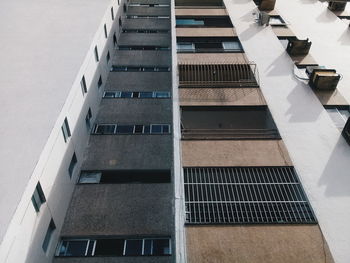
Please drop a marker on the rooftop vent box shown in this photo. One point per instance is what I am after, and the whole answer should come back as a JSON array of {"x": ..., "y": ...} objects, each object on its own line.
[
  {"x": 298, "y": 47},
  {"x": 346, "y": 131},
  {"x": 322, "y": 78},
  {"x": 337, "y": 5},
  {"x": 266, "y": 5}
]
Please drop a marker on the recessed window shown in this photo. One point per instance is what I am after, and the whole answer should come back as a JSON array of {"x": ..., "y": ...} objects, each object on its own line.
[
  {"x": 185, "y": 47},
  {"x": 88, "y": 118},
  {"x": 232, "y": 46},
  {"x": 99, "y": 82},
  {"x": 72, "y": 165},
  {"x": 108, "y": 57},
  {"x": 114, "y": 247},
  {"x": 139, "y": 69},
  {"x": 276, "y": 21},
  {"x": 38, "y": 197},
  {"x": 160, "y": 48},
  {"x": 121, "y": 129},
  {"x": 112, "y": 12},
  {"x": 339, "y": 115},
  {"x": 114, "y": 39},
  {"x": 136, "y": 94},
  {"x": 125, "y": 177},
  {"x": 83, "y": 85},
  {"x": 105, "y": 30},
  {"x": 65, "y": 130},
  {"x": 96, "y": 54},
  {"x": 105, "y": 129},
  {"x": 48, "y": 236},
  {"x": 120, "y": 21}
]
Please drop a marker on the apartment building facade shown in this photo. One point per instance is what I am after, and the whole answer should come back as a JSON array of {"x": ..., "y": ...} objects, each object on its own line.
[{"x": 187, "y": 131}]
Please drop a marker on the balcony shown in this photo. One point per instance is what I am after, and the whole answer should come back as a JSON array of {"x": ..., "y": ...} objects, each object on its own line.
[
  {"x": 227, "y": 123},
  {"x": 221, "y": 74}
]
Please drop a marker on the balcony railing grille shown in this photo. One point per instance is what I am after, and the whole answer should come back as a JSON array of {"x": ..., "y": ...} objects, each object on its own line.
[
  {"x": 239, "y": 134},
  {"x": 245, "y": 195},
  {"x": 218, "y": 75}
]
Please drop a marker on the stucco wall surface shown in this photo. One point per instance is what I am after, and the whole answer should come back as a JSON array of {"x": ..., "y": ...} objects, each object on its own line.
[
  {"x": 317, "y": 149},
  {"x": 256, "y": 244}
]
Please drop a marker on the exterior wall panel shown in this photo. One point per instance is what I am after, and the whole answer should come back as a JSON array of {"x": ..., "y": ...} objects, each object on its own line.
[{"x": 256, "y": 244}]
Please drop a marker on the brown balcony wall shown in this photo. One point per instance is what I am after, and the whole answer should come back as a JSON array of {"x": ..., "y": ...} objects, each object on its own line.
[
  {"x": 256, "y": 244},
  {"x": 200, "y": 12},
  {"x": 206, "y": 32},
  {"x": 223, "y": 153},
  {"x": 283, "y": 31},
  {"x": 221, "y": 97}
]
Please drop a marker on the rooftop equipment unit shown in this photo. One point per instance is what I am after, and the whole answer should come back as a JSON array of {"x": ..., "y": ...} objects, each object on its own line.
[
  {"x": 337, "y": 5},
  {"x": 322, "y": 78},
  {"x": 298, "y": 47}
]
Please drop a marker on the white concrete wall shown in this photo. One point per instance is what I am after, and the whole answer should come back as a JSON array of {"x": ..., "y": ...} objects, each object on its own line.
[
  {"x": 317, "y": 149},
  {"x": 22, "y": 241}
]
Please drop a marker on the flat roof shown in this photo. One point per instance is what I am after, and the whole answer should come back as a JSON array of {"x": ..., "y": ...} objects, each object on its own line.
[{"x": 42, "y": 48}]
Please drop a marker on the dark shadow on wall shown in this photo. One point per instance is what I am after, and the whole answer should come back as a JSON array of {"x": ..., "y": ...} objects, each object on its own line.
[{"x": 336, "y": 174}]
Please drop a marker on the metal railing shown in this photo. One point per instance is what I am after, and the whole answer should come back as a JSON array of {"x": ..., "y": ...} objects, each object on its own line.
[
  {"x": 218, "y": 74},
  {"x": 216, "y": 134}
]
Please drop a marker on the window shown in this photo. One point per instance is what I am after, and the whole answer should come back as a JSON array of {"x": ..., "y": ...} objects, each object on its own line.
[
  {"x": 144, "y": 48},
  {"x": 38, "y": 197},
  {"x": 276, "y": 21},
  {"x": 48, "y": 235},
  {"x": 145, "y": 31},
  {"x": 99, "y": 82},
  {"x": 121, "y": 129},
  {"x": 120, "y": 22},
  {"x": 185, "y": 47},
  {"x": 238, "y": 195},
  {"x": 339, "y": 115},
  {"x": 88, "y": 119},
  {"x": 105, "y": 30},
  {"x": 124, "y": 8},
  {"x": 65, "y": 130},
  {"x": 112, "y": 12},
  {"x": 125, "y": 177},
  {"x": 186, "y": 22},
  {"x": 114, "y": 39},
  {"x": 108, "y": 57},
  {"x": 83, "y": 85},
  {"x": 139, "y": 69},
  {"x": 114, "y": 247},
  {"x": 232, "y": 46},
  {"x": 136, "y": 94},
  {"x": 96, "y": 54},
  {"x": 72, "y": 165},
  {"x": 145, "y": 16}
]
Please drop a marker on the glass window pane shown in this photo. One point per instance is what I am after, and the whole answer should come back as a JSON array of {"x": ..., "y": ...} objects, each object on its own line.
[
  {"x": 166, "y": 129},
  {"x": 90, "y": 178},
  {"x": 345, "y": 114},
  {"x": 155, "y": 128},
  {"x": 76, "y": 248},
  {"x": 126, "y": 95},
  {"x": 133, "y": 247},
  {"x": 105, "y": 129},
  {"x": 275, "y": 20},
  {"x": 336, "y": 118},
  {"x": 146, "y": 94},
  {"x": 109, "y": 94},
  {"x": 125, "y": 129},
  {"x": 189, "y": 22},
  {"x": 234, "y": 45},
  {"x": 146, "y": 129},
  {"x": 185, "y": 46},
  {"x": 109, "y": 247},
  {"x": 160, "y": 94},
  {"x": 138, "y": 129},
  {"x": 161, "y": 247},
  {"x": 147, "y": 250}
]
